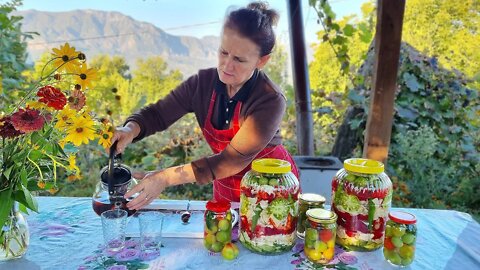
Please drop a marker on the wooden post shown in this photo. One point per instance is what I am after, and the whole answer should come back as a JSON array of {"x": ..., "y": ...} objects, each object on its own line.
[
  {"x": 300, "y": 79},
  {"x": 388, "y": 38}
]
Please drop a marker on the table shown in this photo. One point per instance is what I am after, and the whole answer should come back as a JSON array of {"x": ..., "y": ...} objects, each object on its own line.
[{"x": 66, "y": 234}]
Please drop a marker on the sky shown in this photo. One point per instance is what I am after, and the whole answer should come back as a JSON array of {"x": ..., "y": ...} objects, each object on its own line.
[{"x": 196, "y": 18}]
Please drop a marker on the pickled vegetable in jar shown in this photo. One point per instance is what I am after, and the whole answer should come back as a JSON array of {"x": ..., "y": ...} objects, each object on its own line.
[
  {"x": 307, "y": 201},
  {"x": 320, "y": 230},
  {"x": 217, "y": 225},
  {"x": 361, "y": 198},
  {"x": 400, "y": 238},
  {"x": 268, "y": 207}
]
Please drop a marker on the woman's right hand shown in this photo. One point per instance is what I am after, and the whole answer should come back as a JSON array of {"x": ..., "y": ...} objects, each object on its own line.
[{"x": 125, "y": 135}]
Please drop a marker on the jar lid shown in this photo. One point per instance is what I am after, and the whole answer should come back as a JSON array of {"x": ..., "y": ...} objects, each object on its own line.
[
  {"x": 311, "y": 198},
  {"x": 271, "y": 165},
  {"x": 217, "y": 206},
  {"x": 402, "y": 217},
  {"x": 363, "y": 165},
  {"x": 321, "y": 215}
]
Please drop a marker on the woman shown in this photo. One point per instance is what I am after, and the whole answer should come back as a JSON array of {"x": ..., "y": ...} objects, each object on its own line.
[{"x": 238, "y": 107}]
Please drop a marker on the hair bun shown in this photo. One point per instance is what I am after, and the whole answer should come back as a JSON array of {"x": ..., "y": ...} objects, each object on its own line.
[{"x": 263, "y": 8}]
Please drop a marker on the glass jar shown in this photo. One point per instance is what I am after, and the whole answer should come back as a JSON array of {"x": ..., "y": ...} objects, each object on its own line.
[
  {"x": 361, "y": 198},
  {"x": 269, "y": 207},
  {"x": 122, "y": 182},
  {"x": 307, "y": 201},
  {"x": 217, "y": 225},
  {"x": 400, "y": 238},
  {"x": 320, "y": 230}
]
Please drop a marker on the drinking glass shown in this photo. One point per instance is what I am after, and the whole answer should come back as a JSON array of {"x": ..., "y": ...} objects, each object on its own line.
[{"x": 114, "y": 223}]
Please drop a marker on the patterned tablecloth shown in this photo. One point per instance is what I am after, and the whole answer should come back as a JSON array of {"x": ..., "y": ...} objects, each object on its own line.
[{"x": 67, "y": 234}]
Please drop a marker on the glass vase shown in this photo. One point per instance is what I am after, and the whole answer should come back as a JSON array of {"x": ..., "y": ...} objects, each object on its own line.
[{"x": 14, "y": 236}]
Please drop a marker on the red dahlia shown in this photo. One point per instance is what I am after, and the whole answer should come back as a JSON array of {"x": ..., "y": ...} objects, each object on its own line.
[
  {"x": 52, "y": 96},
  {"x": 27, "y": 120},
  {"x": 7, "y": 130}
]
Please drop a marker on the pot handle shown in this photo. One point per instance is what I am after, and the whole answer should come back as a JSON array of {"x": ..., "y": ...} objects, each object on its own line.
[{"x": 111, "y": 162}]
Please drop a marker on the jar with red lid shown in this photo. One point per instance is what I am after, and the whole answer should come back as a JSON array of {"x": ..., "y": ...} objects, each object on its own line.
[
  {"x": 400, "y": 238},
  {"x": 217, "y": 225}
]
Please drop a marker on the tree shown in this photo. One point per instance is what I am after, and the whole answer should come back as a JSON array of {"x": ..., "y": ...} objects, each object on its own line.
[{"x": 153, "y": 79}]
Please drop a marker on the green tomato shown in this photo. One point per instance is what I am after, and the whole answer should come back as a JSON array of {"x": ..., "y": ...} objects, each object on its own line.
[
  {"x": 224, "y": 225},
  {"x": 388, "y": 231},
  {"x": 310, "y": 243},
  {"x": 311, "y": 234},
  {"x": 398, "y": 231},
  {"x": 395, "y": 259},
  {"x": 210, "y": 239},
  {"x": 397, "y": 242},
  {"x": 217, "y": 246},
  {"x": 273, "y": 182},
  {"x": 321, "y": 246},
  {"x": 406, "y": 252},
  {"x": 230, "y": 251},
  {"x": 407, "y": 261},
  {"x": 263, "y": 181},
  {"x": 223, "y": 236},
  {"x": 408, "y": 238}
]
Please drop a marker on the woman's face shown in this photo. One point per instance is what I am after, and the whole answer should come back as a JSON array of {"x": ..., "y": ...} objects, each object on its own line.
[{"x": 238, "y": 57}]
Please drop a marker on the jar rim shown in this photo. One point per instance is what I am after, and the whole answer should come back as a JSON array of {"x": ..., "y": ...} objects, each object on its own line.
[
  {"x": 402, "y": 217},
  {"x": 363, "y": 165},
  {"x": 311, "y": 198},
  {"x": 321, "y": 215},
  {"x": 271, "y": 165}
]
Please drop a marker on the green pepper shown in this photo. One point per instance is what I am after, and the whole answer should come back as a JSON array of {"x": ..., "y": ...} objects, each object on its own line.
[{"x": 371, "y": 213}]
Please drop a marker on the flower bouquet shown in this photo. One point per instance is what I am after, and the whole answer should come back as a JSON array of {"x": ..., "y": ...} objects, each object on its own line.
[{"x": 39, "y": 135}]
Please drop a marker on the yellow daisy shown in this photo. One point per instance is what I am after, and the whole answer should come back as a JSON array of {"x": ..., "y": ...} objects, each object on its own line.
[
  {"x": 80, "y": 131},
  {"x": 38, "y": 105},
  {"x": 105, "y": 136},
  {"x": 64, "y": 118},
  {"x": 85, "y": 76},
  {"x": 66, "y": 58},
  {"x": 72, "y": 163}
]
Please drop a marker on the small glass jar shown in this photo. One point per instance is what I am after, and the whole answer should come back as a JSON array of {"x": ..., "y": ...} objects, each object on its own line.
[
  {"x": 320, "y": 230},
  {"x": 269, "y": 207},
  {"x": 217, "y": 225},
  {"x": 400, "y": 238},
  {"x": 361, "y": 198},
  {"x": 307, "y": 201}
]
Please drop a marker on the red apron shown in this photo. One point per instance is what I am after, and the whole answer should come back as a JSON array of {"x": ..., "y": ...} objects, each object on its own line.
[{"x": 229, "y": 188}]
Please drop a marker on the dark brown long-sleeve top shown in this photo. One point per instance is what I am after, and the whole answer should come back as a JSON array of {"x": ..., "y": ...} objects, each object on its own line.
[{"x": 260, "y": 117}]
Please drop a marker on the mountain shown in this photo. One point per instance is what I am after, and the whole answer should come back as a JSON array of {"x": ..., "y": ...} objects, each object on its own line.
[{"x": 99, "y": 32}]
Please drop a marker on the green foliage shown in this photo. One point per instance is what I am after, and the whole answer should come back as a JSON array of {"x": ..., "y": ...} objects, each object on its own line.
[
  {"x": 338, "y": 56},
  {"x": 438, "y": 156},
  {"x": 448, "y": 30},
  {"x": 12, "y": 53}
]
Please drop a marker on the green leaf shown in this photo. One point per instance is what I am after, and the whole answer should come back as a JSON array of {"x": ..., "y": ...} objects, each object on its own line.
[
  {"x": 408, "y": 113},
  {"x": 6, "y": 205},
  {"x": 24, "y": 197},
  {"x": 411, "y": 82},
  {"x": 35, "y": 155},
  {"x": 348, "y": 30},
  {"x": 7, "y": 172},
  {"x": 355, "y": 97}
]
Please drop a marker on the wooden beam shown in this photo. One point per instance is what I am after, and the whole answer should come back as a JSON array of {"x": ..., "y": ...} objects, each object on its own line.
[
  {"x": 300, "y": 79},
  {"x": 388, "y": 38}
]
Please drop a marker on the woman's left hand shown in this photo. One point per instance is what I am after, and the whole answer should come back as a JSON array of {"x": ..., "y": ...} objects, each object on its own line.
[{"x": 149, "y": 188}]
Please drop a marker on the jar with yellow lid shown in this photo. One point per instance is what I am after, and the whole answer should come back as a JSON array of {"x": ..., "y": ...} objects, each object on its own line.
[
  {"x": 320, "y": 230},
  {"x": 268, "y": 207},
  {"x": 307, "y": 201},
  {"x": 361, "y": 198}
]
